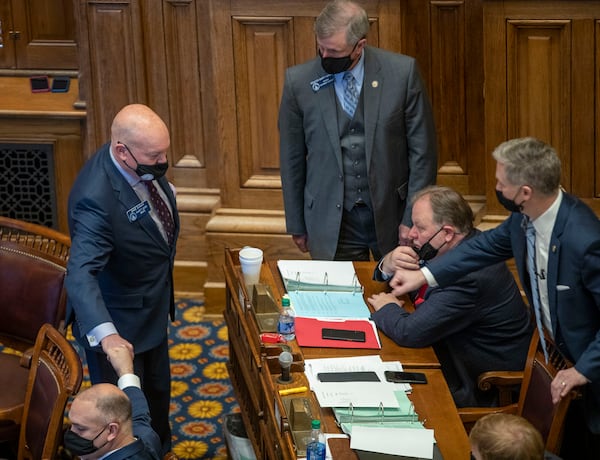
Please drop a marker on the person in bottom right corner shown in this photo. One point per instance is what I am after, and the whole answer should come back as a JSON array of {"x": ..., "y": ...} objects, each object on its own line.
[{"x": 506, "y": 437}]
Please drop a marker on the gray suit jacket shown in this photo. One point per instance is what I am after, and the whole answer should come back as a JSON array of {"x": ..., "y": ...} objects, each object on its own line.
[{"x": 400, "y": 146}]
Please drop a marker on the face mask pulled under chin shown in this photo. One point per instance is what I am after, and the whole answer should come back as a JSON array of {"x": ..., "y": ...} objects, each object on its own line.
[
  {"x": 509, "y": 205},
  {"x": 78, "y": 445},
  {"x": 427, "y": 251}
]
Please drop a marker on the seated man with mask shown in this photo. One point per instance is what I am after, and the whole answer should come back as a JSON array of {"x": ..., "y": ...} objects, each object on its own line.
[
  {"x": 478, "y": 324},
  {"x": 112, "y": 422}
]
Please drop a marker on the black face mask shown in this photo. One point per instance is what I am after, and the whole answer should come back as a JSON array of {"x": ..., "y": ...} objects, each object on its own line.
[
  {"x": 78, "y": 445},
  {"x": 427, "y": 251},
  {"x": 148, "y": 172},
  {"x": 339, "y": 64},
  {"x": 510, "y": 205}
]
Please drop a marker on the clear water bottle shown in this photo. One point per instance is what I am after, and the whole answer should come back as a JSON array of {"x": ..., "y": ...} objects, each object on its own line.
[
  {"x": 315, "y": 449},
  {"x": 286, "y": 326}
]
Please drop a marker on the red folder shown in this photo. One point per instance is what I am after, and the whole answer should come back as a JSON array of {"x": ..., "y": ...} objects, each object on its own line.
[{"x": 309, "y": 333}]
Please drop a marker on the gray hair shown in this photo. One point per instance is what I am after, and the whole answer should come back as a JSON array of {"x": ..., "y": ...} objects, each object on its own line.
[
  {"x": 529, "y": 161},
  {"x": 448, "y": 207},
  {"x": 342, "y": 14}
]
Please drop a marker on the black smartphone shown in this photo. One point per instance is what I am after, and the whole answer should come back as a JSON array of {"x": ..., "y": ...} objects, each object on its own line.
[
  {"x": 405, "y": 377},
  {"x": 61, "y": 84},
  {"x": 343, "y": 334},
  {"x": 39, "y": 84}
]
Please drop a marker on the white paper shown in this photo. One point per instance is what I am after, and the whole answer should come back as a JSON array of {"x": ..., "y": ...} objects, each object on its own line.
[
  {"x": 395, "y": 441},
  {"x": 359, "y": 394}
]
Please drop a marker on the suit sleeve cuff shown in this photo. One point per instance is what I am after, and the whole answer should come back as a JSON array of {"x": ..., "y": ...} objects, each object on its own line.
[
  {"x": 97, "y": 334},
  {"x": 429, "y": 277},
  {"x": 129, "y": 380}
]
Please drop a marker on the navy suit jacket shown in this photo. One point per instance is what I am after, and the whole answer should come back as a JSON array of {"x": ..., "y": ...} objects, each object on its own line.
[
  {"x": 147, "y": 445},
  {"x": 400, "y": 149},
  {"x": 473, "y": 327},
  {"x": 120, "y": 267},
  {"x": 573, "y": 279}
]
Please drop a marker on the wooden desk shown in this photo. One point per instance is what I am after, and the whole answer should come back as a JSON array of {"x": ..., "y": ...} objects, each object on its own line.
[
  {"x": 409, "y": 357},
  {"x": 253, "y": 372}
]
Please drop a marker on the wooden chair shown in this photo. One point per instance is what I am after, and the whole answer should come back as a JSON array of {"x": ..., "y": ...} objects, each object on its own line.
[
  {"x": 55, "y": 374},
  {"x": 33, "y": 261},
  {"x": 535, "y": 400}
]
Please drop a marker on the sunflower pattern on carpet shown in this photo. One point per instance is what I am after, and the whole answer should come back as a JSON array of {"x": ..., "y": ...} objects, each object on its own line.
[{"x": 201, "y": 392}]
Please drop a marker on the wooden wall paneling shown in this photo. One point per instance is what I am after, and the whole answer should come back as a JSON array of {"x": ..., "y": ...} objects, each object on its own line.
[
  {"x": 584, "y": 120},
  {"x": 47, "y": 34},
  {"x": 7, "y": 44},
  {"x": 546, "y": 50},
  {"x": 262, "y": 48},
  {"x": 64, "y": 135},
  {"x": 448, "y": 91},
  {"x": 117, "y": 64},
  {"x": 185, "y": 72}
]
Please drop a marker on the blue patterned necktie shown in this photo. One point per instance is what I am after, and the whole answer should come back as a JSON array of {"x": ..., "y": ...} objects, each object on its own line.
[
  {"x": 350, "y": 94},
  {"x": 535, "y": 293},
  {"x": 160, "y": 207}
]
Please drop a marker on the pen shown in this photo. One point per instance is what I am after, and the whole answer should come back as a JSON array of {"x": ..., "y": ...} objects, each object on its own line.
[{"x": 292, "y": 391}]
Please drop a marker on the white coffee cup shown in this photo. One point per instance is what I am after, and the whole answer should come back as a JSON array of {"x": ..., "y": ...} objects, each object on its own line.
[{"x": 251, "y": 261}]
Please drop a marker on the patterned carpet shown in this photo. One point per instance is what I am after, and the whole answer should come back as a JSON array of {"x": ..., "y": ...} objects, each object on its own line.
[{"x": 201, "y": 393}]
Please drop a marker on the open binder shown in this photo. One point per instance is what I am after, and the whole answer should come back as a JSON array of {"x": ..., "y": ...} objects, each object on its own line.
[{"x": 323, "y": 289}]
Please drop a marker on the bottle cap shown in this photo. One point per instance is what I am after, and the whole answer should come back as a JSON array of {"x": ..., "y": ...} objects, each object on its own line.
[
  {"x": 315, "y": 424},
  {"x": 285, "y": 301}
]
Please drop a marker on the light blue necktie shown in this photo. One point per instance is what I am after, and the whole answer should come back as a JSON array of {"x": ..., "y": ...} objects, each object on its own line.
[
  {"x": 350, "y": 94},
  {"x": 535, "y": 292}
]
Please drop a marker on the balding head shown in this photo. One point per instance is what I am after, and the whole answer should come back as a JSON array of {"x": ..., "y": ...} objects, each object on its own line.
[
  {"x": 102, "y": 413},
  {"x": 139, "y": 136},
  {"x": 137, "y": 125}
]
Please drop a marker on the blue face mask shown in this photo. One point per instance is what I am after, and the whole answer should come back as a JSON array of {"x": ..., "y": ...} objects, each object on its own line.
[{"x": 79, "y": 446}]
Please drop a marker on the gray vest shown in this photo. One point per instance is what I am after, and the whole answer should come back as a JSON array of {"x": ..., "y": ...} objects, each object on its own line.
[{"x": 354, "y": 161}]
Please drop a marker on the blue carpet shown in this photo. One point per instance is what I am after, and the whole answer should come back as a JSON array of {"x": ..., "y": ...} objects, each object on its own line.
[{"x": 201, "y": 392}]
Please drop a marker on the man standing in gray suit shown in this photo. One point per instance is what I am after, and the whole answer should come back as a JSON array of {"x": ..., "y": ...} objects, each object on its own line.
[{"x": 357, "y": 140}]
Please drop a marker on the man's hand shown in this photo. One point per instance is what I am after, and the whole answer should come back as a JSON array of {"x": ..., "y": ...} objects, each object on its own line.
[
  {"x": 564, "y": 382},
  {"x": 301, "y": 241},
  {"x": 403, "y": 239},
  {"x": 116, "y": 341},
  {"x": 378, "y": 301},
  {"x": 121, "y": 360},
  {"x": 405, "y": 281},
  {"x": 401, "y": 257}
]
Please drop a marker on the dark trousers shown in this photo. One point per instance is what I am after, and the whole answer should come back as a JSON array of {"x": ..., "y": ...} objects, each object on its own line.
[
  {"x": 154, "y": 371},
  {"x": 579, "y": 443},
  {"x": 357, "y": 240}
]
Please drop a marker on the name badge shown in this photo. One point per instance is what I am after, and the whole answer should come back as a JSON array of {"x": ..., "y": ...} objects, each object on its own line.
[
  {"x": 138, "y": 211},
  {"x": 319, "y": 83}
]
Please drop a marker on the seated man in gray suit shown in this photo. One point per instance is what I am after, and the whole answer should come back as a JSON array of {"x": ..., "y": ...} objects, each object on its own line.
[
  {"x": 110, "y": 422},
  {"x": 477, "y": 324}
]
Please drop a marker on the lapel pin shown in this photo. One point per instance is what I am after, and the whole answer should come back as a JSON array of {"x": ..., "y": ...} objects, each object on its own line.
[
  {"x": 553, "y": 248},
  {"x": 374, "y": 83}
]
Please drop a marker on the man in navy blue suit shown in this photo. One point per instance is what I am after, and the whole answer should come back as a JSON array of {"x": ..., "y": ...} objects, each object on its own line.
[
  {"x": 124, "y": 224},
  {"x": 567, "y": 272},
  {"x": 473, "y": 328},
  {"x": 106, "y": 419}
]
